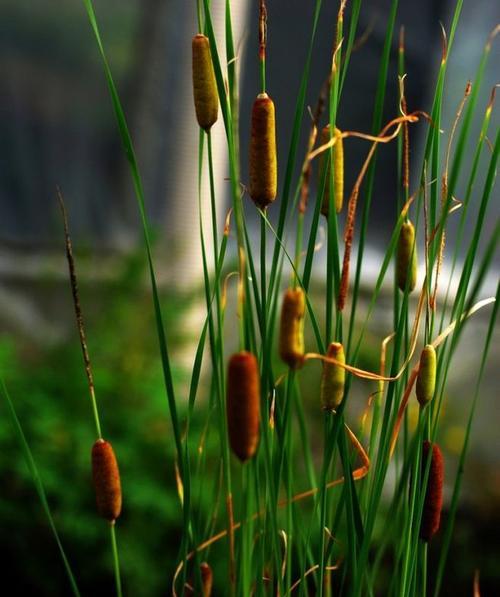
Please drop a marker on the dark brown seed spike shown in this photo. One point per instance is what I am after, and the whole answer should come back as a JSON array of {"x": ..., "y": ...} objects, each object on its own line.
[{"x": 106, "y": 477}]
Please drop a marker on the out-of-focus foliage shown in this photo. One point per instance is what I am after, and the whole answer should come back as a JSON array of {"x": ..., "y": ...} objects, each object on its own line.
[{"x": 51, "y": 397}]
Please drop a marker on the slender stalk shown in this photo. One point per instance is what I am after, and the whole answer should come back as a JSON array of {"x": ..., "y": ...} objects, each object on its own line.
[{"x": 116, "y": 560}]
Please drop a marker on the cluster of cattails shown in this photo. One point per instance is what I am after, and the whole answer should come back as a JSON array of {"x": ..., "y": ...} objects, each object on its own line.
[
  {"x": 431, "y": 515},
  {"x": 406, "y": 258},
  {"x": 291, "y": 338},
  {"x": 106, "y": 477},
  {"x": 338, "y": 170}
]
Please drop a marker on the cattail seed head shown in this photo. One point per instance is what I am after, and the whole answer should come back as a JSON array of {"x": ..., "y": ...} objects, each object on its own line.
[
  {"x": 338, "y": 170},
  {"x": 433, "y": 502},
  {"x": 263, "y": 161},
  {"x": 243, "y": 404},
  {"x": 426, "y": 380},
  {"x": 106, "y": 477},
  {"x": 406, "y": 258},
  {"x": 207, "y": 579},
  {"x": 333, "y": 378},
  {"x": 206, "y": 582},
  {"x": 291, "y": 339},
  {"x": 206, "y": 101}
]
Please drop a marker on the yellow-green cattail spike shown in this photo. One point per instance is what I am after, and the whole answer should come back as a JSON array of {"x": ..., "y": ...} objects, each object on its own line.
[
  {"x": 426, "y": 380},
  {"x": 291, "y": 340},
  {"x": 338, "y": 170},
  {"x": 333, "y": 378},
  {"x": 263, "y": 161},
  {"x": 406, "y": 258},
  {"x": 206, "y": 101}
]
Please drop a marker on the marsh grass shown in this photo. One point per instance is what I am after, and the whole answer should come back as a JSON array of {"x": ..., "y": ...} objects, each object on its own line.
[{"x": 291, "y": 519}]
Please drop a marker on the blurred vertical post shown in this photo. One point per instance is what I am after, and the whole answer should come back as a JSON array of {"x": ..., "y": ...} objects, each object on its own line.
[{"x": 166, "y": 133}]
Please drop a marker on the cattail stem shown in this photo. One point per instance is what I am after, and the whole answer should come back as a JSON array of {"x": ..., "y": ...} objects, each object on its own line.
[
  {"x": 199, "y": 15},
  {"x": 423, "y": 560},
  {"x": 298, "y": 247},
  {"x": 212, "y": 194},
  {"x": 263, "y": 75},
  {"x": 78, "y": 313},
  {"x": 116, "y": 560},
  {"x": 262, "y": 43},
  {"x": 263, "y": 296}
]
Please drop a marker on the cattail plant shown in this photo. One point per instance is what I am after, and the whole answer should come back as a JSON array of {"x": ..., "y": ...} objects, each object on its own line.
[
  {"x": 333, "y": 378},
  {"x": 206, "y": 101},
  {"x": 106, "y": 477},
  {"x": 338, "y": 170},
  {"x": 291, "y": 338},
  {"x": 206, "y": 581},
  {"x": 433, "y": 502},
  {"x": 406, "y": 258},
  {"x": 264, "y": 540},
  {"x": 263, "y": 161},
  {"x": 426, "y": 380},
  {"x": 243, "y": 404}
]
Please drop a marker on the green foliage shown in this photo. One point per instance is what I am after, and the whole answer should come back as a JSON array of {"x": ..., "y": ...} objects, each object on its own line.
[{"x": 49, "y": 391}]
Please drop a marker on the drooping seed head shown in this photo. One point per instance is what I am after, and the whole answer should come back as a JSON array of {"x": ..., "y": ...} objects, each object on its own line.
[
  {"x": 106, "y": 477},
  {"x": 263, "y": 160},
  {"x": 426, "y": 380},
  {"x": 206, "y": 101},
  {"x": 338, "y": 170},
  {"x": 431, "y": 515},
  {"x": 333, "y": 378},
  {"x": 291, "y": 339},
  {"x": 406, "y": 258},
  {"x": 243, "y": 404}
]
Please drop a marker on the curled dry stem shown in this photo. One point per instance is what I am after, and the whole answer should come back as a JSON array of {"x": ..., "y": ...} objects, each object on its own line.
[
  {"x": 444, "y": 192},
  {"x": 414, "y": 372},
  {"x": 357, "y": 474},
  {"x": 372, "y": 396},
  {"x": 311, "y": 570},
  {"x": 223, "y": 299},
  {"x": 383, "y": 137}
]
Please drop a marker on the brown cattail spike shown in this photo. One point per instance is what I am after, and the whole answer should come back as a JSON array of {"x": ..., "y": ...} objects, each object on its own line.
[
  {"x": 206, "y": 101},
  {"x": 426, "y": 380},
  {"x": 333, "y": 378},
  {"x": 406, "y": 258},
  {"x": 243, "y": 404},
  {"x": 206, "y": 582},
  {"x": 338, "y": 171},
  {"x": 263, "y": 161},
  {"x": 206, "y": 578},
  {"x": 106, "y": 478},
  {"x": 291, "y": 341},
  {"x": 433, "y": 502}
]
